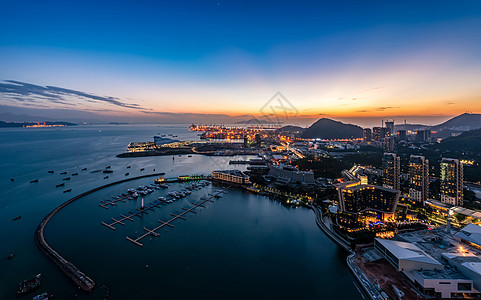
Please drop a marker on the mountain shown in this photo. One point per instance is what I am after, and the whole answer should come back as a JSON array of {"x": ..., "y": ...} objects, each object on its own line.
[
  {"x": 329, "y": 129},
  {"x": 466, "y": 141},
  {"x": 462, "y": 122},
  {"x": 412, "y": 127},
  {"x": 254, "y": 121},
  {"x": 290, "y": 129}
]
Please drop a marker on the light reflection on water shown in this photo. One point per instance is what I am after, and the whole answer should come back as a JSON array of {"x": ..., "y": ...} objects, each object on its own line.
[{"x": 243, "y": 245}]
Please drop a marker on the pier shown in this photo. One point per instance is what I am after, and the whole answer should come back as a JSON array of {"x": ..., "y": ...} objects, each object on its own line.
[
  {"x": 68, "y": 268},
  {"x": 105, "y": 203},
  {"x": 153, "y": 232},
  {"x": 137, "y": 213}
]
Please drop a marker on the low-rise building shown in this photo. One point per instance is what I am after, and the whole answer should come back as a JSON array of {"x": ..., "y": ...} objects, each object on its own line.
[
  {"x": 431, "y": 277},
  {"x": 141, "y": 147},
  {"x": 286, "y": 175},
  {"x": 471, "y": 234},
  {"x": 232, "y": 176},
  {"x": 405, "y": 256}
]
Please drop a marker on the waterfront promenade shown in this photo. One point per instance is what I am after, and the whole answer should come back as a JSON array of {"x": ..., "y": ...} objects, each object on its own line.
[
  {"x": 68, "y": 268},
  {"x": 365, "y": 283}
]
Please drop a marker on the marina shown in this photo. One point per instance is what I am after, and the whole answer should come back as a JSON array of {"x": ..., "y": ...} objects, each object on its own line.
[
  {"x": 169, "y": 257},
  {"x": 69, "y": 269},
  {"x": 153, "y": 232}
]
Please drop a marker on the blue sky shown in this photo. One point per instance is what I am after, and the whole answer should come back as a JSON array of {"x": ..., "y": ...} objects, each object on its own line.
[{"x": 394, "y": 58}]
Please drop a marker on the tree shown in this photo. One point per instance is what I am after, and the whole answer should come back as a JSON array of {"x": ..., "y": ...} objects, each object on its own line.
[{"x": 459, "y": 217}]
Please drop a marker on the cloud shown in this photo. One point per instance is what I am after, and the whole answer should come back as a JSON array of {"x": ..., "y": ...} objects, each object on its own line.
[
  {"x": 27, "y": 92},
  {"x": 383, "y": 108}
]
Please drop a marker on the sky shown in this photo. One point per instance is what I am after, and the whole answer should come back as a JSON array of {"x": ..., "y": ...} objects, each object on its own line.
[{"x": 216, "y": 61}]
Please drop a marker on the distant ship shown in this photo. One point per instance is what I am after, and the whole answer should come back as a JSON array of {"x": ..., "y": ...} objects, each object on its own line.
[
  {"x": 107, "y": 171},
  {"x": 29, "y": 285}
]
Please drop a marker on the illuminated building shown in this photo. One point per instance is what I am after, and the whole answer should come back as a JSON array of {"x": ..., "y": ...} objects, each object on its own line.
[
  {"x": 141, "y": 147},
  {"x": 359, "y": 204},
  {"x": 391, "y": 164},
  {"x": 376, "y": 134},
  {"x": 418, "y": 178},
  {"x": 452, "y": 181},
  {"x": 232, "y": 176},
  {"x": 423, "y": 136},
  {"x": 390, "y": 127},
  {"x": 367, "y": 134},
  {"x": 288, "y": 175}
]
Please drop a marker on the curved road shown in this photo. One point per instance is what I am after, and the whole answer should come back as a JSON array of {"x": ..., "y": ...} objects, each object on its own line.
[{"x": 69, "y": 269}]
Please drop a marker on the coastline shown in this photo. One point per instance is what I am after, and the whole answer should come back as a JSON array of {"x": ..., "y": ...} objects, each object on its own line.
[
  {"x": 361, "y": 278},
  {"x": 68, "y": 268}
]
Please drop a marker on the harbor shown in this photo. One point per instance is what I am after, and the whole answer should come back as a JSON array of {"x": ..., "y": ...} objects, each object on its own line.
[
  {"x": 76, "y": 231},
  {"x": 153, "y": 232},
  {"x": 69, "y": 269}
]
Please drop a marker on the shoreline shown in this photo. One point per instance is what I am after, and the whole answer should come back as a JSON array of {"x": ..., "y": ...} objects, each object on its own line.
[
  {"x": 68, "y": 268},
  {"x": 361, "y": 278}
]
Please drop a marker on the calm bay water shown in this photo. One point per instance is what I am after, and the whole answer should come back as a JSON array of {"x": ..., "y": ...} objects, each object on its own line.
[{"x": 241, "y": 246}]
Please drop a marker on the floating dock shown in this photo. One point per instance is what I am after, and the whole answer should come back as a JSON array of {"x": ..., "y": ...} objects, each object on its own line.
[
  {"x": 69, "y": 269},
  {"x": 138, "y": 212},
  {"x": 153, "y": 232},
  {"x": 105, "y": 203}
]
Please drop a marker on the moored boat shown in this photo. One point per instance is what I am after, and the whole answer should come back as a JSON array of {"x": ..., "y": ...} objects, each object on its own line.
[
  {"x": 43, "y": 296},
  {"x": 29, "y": 285}
]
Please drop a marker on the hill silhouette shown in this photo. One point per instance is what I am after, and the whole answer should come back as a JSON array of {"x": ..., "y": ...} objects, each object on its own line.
[{"x": 329, "y": 129}]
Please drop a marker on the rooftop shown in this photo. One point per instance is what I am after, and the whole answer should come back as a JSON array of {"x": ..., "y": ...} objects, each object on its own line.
[
  {"x": 407, "y": 251},
  {"x": 441, "y": 274},
  {"x": 231, "y": 172}
]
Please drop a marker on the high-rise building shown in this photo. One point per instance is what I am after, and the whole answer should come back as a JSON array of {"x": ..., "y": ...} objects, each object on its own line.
[
  {"x": 389, "y": 144},
  {"x": 383, "y": 132},
  {"x": 360, "y": 204},
  {"x": 378, "y": 133},
  {"x": 391, "y": 164},
  {"x": 367, "y": 134},
  {"x": 402, "y": 135},
  {"x": 423, "y": 136},
  {"x": 390, "y": 127},
  {"x": 452, "y": 181},
  {"x": 418, "y": 178}
]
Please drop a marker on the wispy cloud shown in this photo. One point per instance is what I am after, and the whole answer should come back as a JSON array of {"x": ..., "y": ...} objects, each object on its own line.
[
  {"x": 27, "y": 92},
  {"x": 380, "y": 108}
]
